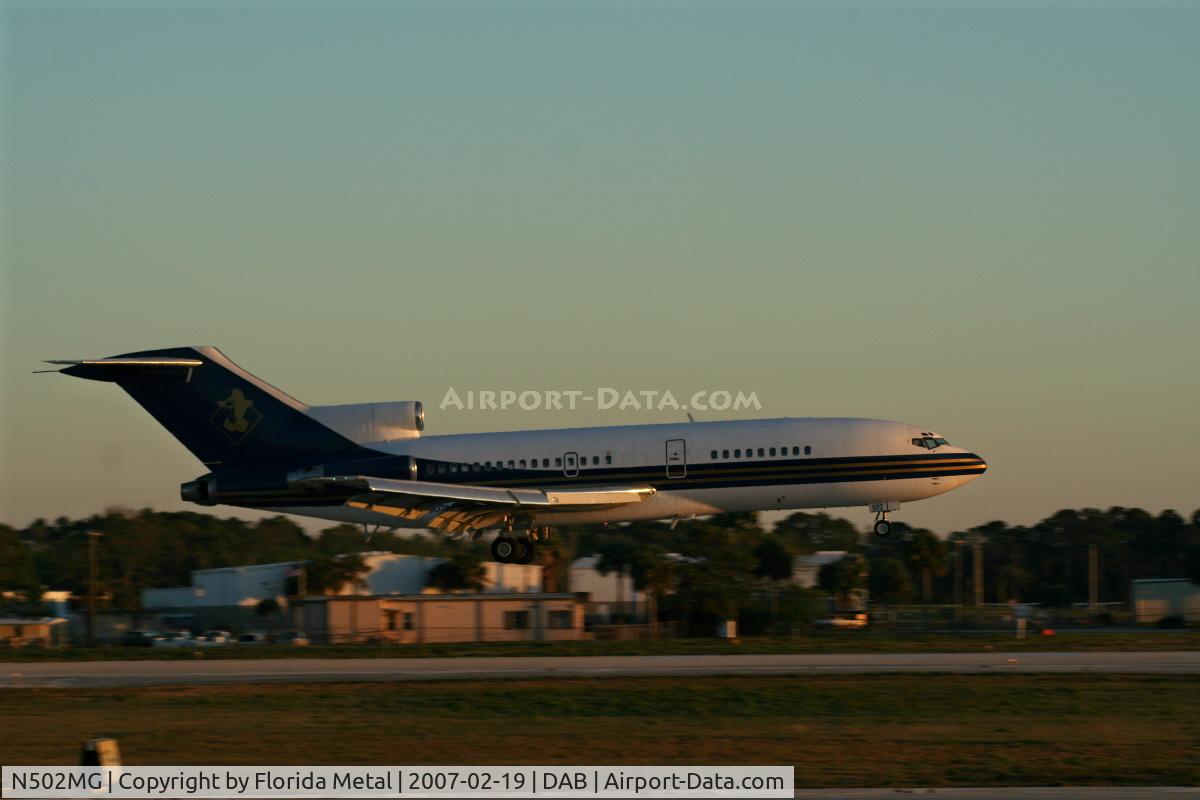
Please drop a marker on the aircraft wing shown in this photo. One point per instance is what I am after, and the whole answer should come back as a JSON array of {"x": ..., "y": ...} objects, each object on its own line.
[{"x": 455, "y": 508}]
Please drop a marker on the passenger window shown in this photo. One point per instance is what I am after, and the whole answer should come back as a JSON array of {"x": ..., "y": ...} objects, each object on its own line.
[
  {"x": 714, "y": 455},
  {"x": 724, "y": 454},
  {"x": 545, "y": 462},
  {"x": 558, "y": 461},
  {"x": 772, "y": 451},
  {"x": 608, "y": 458},
  {"x": 795, "y": 451},
  {"x": 522, "y": 463},
  {"x": 760, "y": 452},
  {"x": 737, "y": 453},
  {"x": 807, "y": 450},
  {"x": 510, "y": 464}
]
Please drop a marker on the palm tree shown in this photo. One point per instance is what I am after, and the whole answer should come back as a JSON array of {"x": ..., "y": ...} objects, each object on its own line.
[
  {"x": 840, "y": 578},
  {"x": 329, "y": 575},
  {"x": 654, "y": 574},
  {"x": 464, "y": 571},
  {"x": 926, "y": 553}
]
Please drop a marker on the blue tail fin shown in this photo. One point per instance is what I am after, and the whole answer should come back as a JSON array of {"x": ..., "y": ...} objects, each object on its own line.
[{"x": 227, "y": 417}]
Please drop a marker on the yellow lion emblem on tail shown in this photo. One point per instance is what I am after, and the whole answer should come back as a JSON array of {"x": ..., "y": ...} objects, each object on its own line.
[{"x": 236, "y": 415}]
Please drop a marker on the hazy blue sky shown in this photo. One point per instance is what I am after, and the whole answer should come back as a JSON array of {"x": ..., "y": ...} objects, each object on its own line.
[{"x": 981, "y": 219}]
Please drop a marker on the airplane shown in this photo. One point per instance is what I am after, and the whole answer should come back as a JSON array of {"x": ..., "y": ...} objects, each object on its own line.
[{"x": 371, "y": 464}]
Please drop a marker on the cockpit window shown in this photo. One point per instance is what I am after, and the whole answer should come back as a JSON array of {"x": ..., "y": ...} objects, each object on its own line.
[{"x": 930, "y": 442}]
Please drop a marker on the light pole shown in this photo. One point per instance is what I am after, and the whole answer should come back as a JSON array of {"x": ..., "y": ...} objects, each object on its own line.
[
  {"x": 93, "y": 569},
  {"x": 1093, "y": 578}
]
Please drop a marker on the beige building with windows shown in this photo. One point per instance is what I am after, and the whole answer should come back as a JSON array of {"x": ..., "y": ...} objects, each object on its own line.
[
  {"x": 431, "y": 618},
  {"x": 32, "y": 632}
]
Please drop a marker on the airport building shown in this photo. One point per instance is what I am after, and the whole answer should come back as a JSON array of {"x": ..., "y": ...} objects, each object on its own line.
[
  {"x": 33, "y": 631},
  {"x": 391, "y": 602},
  {"x": 386, "y": 573},
  {"x": 609, "y": 596},
  {"x": 806, "y": 569},
  {"x": 432, "y": 618},
  {"x": 1156, "y": 599}
]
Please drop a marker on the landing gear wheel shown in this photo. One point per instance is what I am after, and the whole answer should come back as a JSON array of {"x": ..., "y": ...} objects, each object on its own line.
[
  {"x": 527, "y": 551},
  {"x": 882, "y": 527},
  {"x": 504, "y": 549}
]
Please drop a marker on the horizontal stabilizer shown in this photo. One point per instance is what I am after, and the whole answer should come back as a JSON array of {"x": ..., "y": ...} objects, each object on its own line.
[{"x": 102, "y": 368}]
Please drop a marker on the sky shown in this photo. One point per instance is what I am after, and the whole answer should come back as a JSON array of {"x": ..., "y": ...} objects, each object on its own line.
[{"x": 980, "y": 219}]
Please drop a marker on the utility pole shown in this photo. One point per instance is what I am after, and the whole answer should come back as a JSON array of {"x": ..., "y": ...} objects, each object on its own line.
[
  {"x": 977, "y": 559},
  {"x": 958, "y": 574},
  {"x": 93, "y": 569},
  {"x": 1093, "y": 578},
  {"x": 958, "y": 571}
]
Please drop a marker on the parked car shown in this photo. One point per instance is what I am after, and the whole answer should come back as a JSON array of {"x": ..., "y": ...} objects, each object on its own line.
[
  {"x": 175, "y": 639},
  {"x": 139, "y": 638},
  {"x": 295, "y": 638},
  {"x": 214, "y": 637},
  {"x": 252, "y": 638},
  {"x": 844, "y": 621}
]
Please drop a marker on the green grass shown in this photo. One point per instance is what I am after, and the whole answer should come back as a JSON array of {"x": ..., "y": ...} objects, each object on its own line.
[
  {"x": 819, "y": 642},
  {"x": 876, "y": 730}
]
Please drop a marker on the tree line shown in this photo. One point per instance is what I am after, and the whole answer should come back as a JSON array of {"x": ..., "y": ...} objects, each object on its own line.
[{"x": 728, "y": 566}]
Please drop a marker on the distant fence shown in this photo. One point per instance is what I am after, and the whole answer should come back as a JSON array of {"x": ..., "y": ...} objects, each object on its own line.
[{"x": 997, "y": 617}]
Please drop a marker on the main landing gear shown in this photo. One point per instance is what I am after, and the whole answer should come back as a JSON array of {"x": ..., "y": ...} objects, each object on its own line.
[{"x": 514, "y": 549}]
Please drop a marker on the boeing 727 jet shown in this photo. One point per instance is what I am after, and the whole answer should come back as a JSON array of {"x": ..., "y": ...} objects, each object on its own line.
[{"x": 371, "y": 464}]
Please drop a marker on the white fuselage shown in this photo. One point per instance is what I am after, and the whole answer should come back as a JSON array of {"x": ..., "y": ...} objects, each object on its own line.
[{"x": 696, "y": 468}]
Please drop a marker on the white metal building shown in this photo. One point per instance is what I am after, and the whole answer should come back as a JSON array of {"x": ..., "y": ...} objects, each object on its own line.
[
  {"x": 806, "y": 569},
  {"x": 387, "y": 573},
  {"x": 1155, "y": 598},
  {"x": 605, "y": 592}
]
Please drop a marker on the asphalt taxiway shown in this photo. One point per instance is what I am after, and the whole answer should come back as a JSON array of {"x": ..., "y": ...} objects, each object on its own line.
[{"x": 330, "y": 670}]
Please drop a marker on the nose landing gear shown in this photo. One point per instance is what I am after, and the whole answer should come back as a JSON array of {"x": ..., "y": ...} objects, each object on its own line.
[{"x": 882, "y": 526}]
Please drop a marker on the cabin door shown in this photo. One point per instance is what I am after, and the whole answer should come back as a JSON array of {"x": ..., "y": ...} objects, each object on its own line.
[{"x": 676, "y": 458}]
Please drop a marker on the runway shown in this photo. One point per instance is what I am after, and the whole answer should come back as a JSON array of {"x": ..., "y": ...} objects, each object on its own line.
[{"x": 327, "y": 670}]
